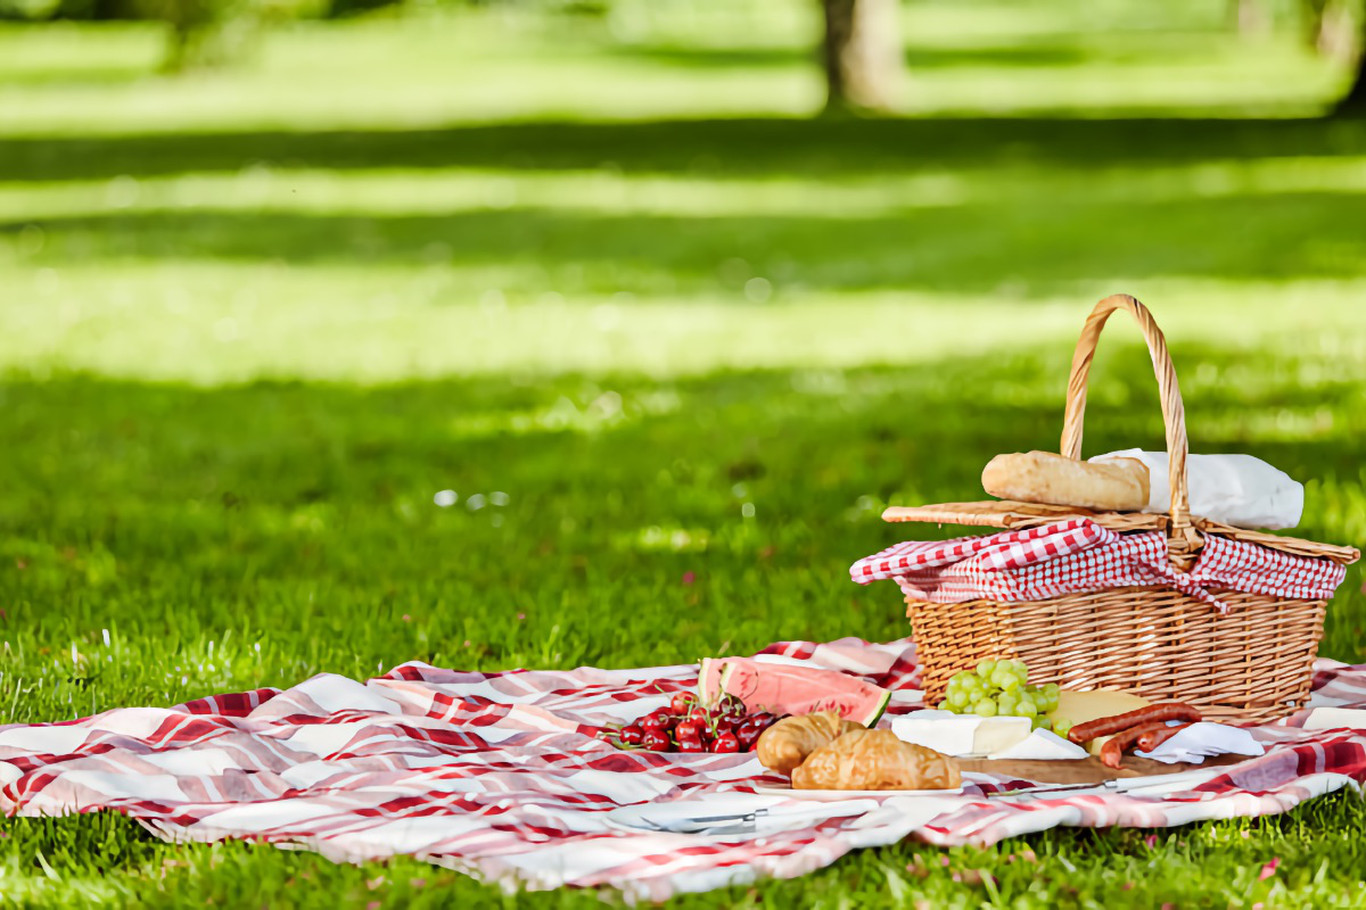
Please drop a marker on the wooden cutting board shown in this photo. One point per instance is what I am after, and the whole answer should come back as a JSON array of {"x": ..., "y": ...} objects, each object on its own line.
[{"x": 1086, "y": 770}]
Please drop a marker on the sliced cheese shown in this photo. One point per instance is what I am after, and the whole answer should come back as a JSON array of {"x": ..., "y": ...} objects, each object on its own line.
[{"x": 1042, "y": 745}]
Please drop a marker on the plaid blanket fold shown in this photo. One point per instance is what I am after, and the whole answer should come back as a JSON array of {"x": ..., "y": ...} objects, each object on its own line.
[{"x": 498, "y": 775}]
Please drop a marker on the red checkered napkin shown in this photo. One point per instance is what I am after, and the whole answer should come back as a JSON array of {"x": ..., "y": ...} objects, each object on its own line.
[
  {"x": 1078, "y": 555},
  {"x": 1011, "y": 550}
]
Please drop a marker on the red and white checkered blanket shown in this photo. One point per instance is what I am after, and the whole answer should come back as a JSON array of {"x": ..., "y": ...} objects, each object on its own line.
[
  {"x": 1075, "y": 555},
  {"x": 495, "y": 774}
]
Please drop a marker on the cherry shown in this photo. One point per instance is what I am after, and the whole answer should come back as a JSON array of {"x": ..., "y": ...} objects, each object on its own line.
[
  {"x": 765, "y": 720},
  {"x": 659, "y": 720},
  {"x": 633, "y": 734},
  {"x": 682, "y": 703},
  {"x": 732, "y": 707},
  {"x": 688, "y": 729},
  {"x": 691, "y": 745},
  {"x": 656, "y": 741},
  {"x": 700, "y": 713},
  {"x": 726, "y": 742}
]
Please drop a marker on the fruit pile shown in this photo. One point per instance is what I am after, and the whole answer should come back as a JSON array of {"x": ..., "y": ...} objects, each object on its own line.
[
  {"x": 1000, "y": 688},
  {"x": 687, "y": 725}
]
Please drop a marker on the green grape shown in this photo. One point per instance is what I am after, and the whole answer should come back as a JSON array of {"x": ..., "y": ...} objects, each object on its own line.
[
  {"x": 985, "y": 707},
  {"x": 1062, "y": 728},
  {"x": 974, "y": 686},
  {"x": 1011, "y": 683},
  {"x": 985, "y": 668},
  {"x": 1022, "y": 670},
  {"x": 1025, "y": 707},
  {"x": 957, "y": 700},
  {"x": 1038, "y": 722},
  {"x": 1006, "y": 702}
]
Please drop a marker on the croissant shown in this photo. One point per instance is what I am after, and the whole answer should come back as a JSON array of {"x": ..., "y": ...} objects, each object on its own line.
[
  {"x": 875, "y": 760},
  {"x": 786, "y": 744}
]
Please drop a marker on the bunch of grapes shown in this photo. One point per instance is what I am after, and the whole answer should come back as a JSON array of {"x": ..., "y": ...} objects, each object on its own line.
[
  {"x": 1000, "y": 687},
  {"x": 687, "y": 725}
]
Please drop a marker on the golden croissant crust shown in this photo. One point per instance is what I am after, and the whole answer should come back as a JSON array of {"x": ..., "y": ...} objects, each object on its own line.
[
  {"x": 875, "y": 760},
  {"x": 786, "y": 744}
]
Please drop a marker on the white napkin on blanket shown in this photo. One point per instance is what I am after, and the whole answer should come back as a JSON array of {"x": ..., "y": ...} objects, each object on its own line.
[
  {"x": 1238, "y": 490},
  {"x": 1204, "y": 740}
]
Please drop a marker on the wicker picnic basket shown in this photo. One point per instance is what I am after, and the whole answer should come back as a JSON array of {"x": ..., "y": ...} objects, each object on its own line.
[{"x": 1252, "y": 664}]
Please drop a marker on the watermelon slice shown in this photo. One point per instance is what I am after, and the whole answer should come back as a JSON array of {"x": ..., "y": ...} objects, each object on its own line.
[{"x": 785, "y": 689}]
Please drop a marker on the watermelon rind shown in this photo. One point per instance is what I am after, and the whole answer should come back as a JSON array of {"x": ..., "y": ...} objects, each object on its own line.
[
  {"x": 878, "y": 712},
  {"x": 705, "y": 695}
]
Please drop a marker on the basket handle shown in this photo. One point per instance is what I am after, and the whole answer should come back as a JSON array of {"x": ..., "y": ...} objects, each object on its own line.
[{"x": 1183, "y": 540}]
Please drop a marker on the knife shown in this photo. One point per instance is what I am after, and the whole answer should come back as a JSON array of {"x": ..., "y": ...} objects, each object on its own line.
[{"x": 1182, "y": 780}]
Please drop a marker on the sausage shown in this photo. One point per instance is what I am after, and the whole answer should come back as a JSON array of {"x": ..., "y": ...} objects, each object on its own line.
[
  {"x": 1104, "y": 726},
  {"x": 1147, "y": 742},
  {"x": 1113, "y": 750}
]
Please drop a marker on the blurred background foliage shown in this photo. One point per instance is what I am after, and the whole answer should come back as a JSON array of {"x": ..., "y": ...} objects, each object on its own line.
[{"x": 861, "y": 41}]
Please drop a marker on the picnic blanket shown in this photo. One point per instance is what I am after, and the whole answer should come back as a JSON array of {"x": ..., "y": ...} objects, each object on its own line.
[{"x": 498, "y": 775}]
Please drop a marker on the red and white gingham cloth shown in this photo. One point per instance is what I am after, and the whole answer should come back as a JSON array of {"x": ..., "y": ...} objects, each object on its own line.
[
  {"x": 496, "y": 775},
  {"x": 1076, "y": 555}
]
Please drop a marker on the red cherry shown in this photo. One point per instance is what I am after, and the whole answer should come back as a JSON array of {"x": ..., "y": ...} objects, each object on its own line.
[
  {"x": 633, "y": 734},
  {"x": 682, "y": 703},
  {"x": 691, "y": 745},
  {"x": 688, "y": 729},
  {"x": 747, "y": 738},
  {"x": 700, "y": 713},
  {"x": 726, "y": 742},
  {"x": 656, "y": 741}
]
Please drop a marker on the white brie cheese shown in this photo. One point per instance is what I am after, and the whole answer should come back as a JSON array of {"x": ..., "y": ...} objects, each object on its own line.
[{"x": 960, "y": 734}]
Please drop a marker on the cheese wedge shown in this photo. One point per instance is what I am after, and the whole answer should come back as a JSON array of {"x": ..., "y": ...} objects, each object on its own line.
[{"x": 1079, "y": 707}]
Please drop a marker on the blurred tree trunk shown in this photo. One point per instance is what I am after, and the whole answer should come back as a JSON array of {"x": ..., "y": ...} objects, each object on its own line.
[
  {"x": 862, "y": 54},
  {"x": 1353, "y": 104},
  {"x": 1249, "y": 16},
  {"x": 1329, "y": 28}
]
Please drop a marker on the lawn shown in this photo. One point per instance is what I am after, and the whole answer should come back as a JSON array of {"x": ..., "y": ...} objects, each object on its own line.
[{"x": 252, "y": 321}]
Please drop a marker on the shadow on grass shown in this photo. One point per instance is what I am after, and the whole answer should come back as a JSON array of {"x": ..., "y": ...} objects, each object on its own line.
[
  {"x": 711, "y": 147},
  {"x": 1037, "y": 246},
  {"x": 305, "y": 511}
]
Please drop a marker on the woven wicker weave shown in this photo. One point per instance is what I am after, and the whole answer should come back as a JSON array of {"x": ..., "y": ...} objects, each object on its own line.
[{"x": 1252, "y": 664}]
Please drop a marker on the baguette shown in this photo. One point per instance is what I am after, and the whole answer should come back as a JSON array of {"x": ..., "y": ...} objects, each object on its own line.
[{"x": 1116, "y": 485}]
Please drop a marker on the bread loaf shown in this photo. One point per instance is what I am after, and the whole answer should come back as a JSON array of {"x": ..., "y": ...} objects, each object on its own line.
[{"x": 1119, "y": 485}]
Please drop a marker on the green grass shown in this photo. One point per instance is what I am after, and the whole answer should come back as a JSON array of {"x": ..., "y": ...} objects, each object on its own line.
[{"x": 251, "y": 321}]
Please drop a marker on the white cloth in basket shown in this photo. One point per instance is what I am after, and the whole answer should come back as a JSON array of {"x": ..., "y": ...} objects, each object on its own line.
[{"x": 1237, "y": 490}]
